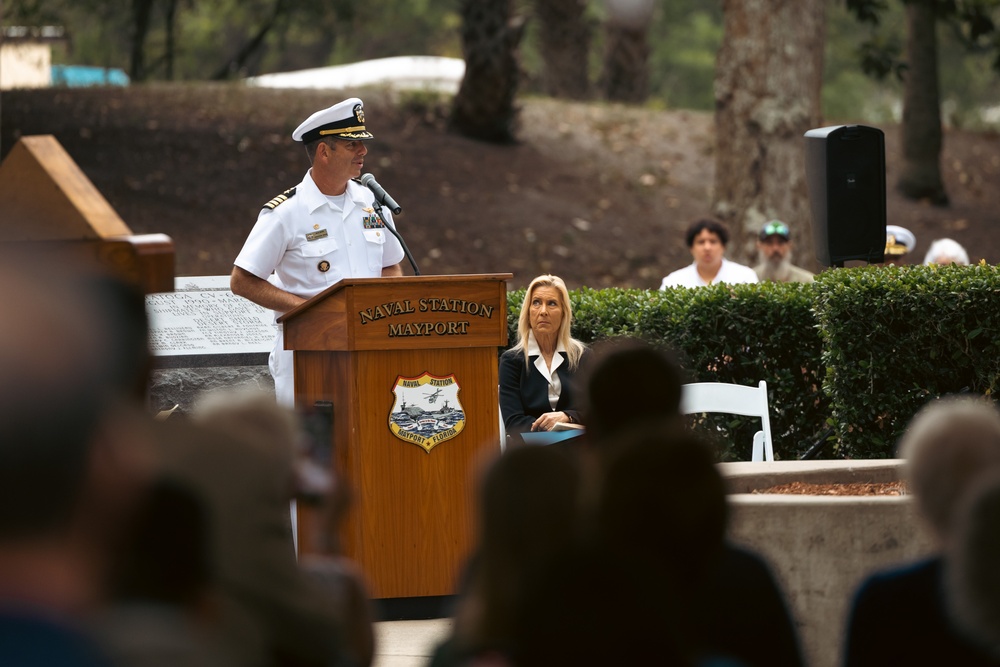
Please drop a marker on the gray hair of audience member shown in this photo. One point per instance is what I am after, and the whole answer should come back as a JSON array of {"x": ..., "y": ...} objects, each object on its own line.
[
  {"x": 630, "y": 381},
  {"x": 946, "y": 446},
  {"x": 971, "y": 575},
  {"x": 250, "y": 415},
  {"x": 54, "y": 393},
  {"x": 946, "y": 251}
]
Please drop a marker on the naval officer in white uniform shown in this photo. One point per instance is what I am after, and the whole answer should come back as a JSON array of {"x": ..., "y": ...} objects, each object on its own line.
[{"x": 322, "y": 230}]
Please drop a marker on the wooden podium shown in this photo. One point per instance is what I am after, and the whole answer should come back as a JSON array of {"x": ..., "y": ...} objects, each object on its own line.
[
  {"x": 52, "y": 208},
  {"x": 410, "y": 367}
]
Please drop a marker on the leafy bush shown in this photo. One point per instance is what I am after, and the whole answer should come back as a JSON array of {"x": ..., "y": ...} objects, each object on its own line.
[{"x": 897, "y": 337}]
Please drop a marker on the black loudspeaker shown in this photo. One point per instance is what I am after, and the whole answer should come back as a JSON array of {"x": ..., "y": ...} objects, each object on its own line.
[{"x": 845, "y": 174}]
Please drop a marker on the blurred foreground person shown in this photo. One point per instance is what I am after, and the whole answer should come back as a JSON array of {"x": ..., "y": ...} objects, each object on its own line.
[
  {"x": 898, "y": 616},
  {"x": 71, "y": 462},
  {"x": 972, "y": 582},
  {"x": 161, "y": 607},
  {"x": 237, "y": 453},
  {"x": 528, "y": 520},
  {"x": 630, "y": 382},
  {"x": 742, "y": 601}
]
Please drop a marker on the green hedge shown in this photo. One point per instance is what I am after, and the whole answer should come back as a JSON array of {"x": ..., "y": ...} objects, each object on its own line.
[
  {"x": 860, "y": 350},
  {"x": 740, "y": 333},
  {"x": 895, "y": 338}
]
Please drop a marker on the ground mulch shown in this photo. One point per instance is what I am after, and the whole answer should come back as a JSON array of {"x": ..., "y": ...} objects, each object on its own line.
[{"x": 844, "y": 489}]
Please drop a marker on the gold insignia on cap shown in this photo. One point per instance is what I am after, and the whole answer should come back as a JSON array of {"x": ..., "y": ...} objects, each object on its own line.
[
  {"x": 893, "y": 247},
  {"x": 323, "y": 266},
  {"x": 359, "y": 113},
  {"x": 348, "y": 132}
]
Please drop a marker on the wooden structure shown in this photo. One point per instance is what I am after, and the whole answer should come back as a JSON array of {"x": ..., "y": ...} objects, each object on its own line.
[
  {"x": 410, "y": 366},
  {"x": 50, "y": 206}
]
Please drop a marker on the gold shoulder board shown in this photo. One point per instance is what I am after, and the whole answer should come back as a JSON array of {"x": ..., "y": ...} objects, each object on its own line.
[{"x": 283, "y": 197}]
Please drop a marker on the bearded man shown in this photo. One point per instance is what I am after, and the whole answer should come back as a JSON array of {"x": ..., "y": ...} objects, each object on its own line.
[{"x": 775, "y": 247}]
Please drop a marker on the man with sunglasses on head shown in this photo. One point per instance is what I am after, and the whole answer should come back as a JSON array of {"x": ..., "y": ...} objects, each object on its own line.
[{"x": 775, "y": 247}]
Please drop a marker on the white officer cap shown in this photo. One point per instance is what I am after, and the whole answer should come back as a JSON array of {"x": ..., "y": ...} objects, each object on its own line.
[
  {"x": 899, "y": 240},
  {"x": 344, "y": 120}
]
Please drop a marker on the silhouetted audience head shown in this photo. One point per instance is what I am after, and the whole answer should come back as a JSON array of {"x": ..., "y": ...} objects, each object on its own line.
[
  {"x": 56, "y": 388},
  {"x": 972, "y": 578},
  {"x": 621, "y": 597},
  {"x": 947, "y": 445},
  {"x": 528, "y": 504},
  {"x": 660, "y": 490},
  {"x": 629, "y": 382},
  {"x": 75, "y": 453},
  {"x": 166, "y": 556},
  {"x": 528, "y": 518}
]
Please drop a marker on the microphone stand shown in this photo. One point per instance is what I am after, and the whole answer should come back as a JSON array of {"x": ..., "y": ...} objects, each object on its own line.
[{"x": 406, "y": 251}]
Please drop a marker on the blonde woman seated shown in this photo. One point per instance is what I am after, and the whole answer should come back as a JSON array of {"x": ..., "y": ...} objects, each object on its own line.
[{"x": 536, "y": 375}]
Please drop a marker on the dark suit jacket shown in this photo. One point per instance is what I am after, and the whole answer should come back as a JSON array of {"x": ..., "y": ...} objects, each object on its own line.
[
  {"x": 898, "y": 617},
  {"x": 524, "y": 392}
]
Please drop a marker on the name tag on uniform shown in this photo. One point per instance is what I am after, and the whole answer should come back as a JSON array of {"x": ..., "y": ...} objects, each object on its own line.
[
  {"x": 316, "y": 236},
  {"x": 373, "y": 222}
]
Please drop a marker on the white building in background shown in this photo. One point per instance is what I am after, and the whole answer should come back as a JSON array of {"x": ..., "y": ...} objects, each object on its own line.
[
  {"x": 26, "y": 56},
  {"x": 401, "y": 73}
]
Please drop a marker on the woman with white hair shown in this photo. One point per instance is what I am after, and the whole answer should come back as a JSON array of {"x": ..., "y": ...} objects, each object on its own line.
[
  {"x": 900, "y": 616},
  {"x": 536, "y": 374},
  {"x": 946, "y": 251}
]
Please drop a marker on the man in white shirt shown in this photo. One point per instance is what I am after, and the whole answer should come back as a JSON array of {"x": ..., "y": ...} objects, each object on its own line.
[
  {"x": 706, "y": 238},
  {"x": 319, "y": 232}
]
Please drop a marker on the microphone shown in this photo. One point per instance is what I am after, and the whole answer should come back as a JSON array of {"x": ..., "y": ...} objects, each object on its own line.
[{"x": 381, "y": 195}]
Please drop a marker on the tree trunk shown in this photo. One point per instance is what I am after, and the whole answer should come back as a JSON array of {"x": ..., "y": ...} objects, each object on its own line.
[
  {"x": 141, "y": 11},
  {"x": 767, "y": 94},
  {"x": 484, "y": 106},
  {"x": 921, "y": 129},
  {"x": 171, "y": 44},
  {"x": 251, "y": 46},
  {"x": 625, "y": 74},
  {"x": 565, "y": 45}
]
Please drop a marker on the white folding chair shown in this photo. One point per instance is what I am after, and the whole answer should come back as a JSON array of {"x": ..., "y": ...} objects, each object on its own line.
[{"x": 734, "y": 399}]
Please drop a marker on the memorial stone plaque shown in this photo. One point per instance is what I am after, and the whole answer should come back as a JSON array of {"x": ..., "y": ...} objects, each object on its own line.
[{"x": 202, "y": 323}]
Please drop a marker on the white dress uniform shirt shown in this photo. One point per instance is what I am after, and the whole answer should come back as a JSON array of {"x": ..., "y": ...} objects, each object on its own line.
[
  {"x": 730, "y": 273},
  {"x": 310, "y": 241}
]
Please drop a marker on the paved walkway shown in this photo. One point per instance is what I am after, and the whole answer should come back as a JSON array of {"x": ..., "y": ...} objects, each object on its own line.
[{"x": 408, "y": 643}]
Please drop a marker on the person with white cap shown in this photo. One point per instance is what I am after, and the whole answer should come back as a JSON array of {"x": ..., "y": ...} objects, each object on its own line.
[
  {"x": 320, "y": 231},
  {"x": 899, "y": 241}
]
